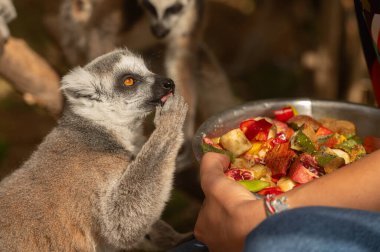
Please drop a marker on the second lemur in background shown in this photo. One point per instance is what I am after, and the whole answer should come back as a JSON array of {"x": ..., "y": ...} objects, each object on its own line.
[{"x": 199, "y": 76}]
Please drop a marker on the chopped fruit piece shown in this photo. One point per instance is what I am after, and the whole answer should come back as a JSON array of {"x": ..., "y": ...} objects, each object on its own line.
[
  {"x": 342, "y": 127},
  {"x": 209, "y": 141},
  {"x": 328, "y": 140},
  {"x": 299, "y": 173},
  {"x": 256, "y": 147},
  {"x": 279, "y": 139},
  {"x": 299, "y": 120},
  {"x": 284, "y": 114},
  {"x": 254, "y": 185},
  {"x": 279, "y": 158},
  {"x": 283, "y": 128},
  {"x": 342, "y": 154},
  {"x": 215, "y": 140},
  {"x": 260, "y": 171},
  {"x": 212, "y": 148},
  {"x": 323, "y": 131},
  {"x": 239, "y": 174},
  {"x": 371, "y": 144},
  {"x": 236, "y": 142},
  {"x": 256, "y": 130},
  {"x": 310, "y": 133},
  {"x": 270, "y": 191},
  {"x": 301, "y": 142},
  {"x": 240, "y": 163},
  {"x": 286, "y": 184}
]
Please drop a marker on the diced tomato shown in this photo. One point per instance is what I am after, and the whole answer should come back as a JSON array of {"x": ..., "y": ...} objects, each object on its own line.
[
  {"x": 371, "y": 144},
  {"x": 256, "y": 130},
  {"x": 284, "y": 114},
  {"x": 323, "y": 131},
  {"x": 279, "y": 158},
  {"x": 270, "y": 190}
]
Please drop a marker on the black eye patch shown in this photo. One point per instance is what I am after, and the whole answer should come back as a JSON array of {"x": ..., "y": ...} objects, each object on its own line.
[
  {"x": 149, "y": 7},
  {"x": 121, "y": 85},
  {"x": 174, "y": 9}
]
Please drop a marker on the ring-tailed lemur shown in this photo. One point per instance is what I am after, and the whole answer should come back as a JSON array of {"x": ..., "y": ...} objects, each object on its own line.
[
  {"x": 89, "y": 28},
  {"x": 95, "y": 183},
  {"x": 188, "y": 61},
  {"x": 7, "y": 14}
]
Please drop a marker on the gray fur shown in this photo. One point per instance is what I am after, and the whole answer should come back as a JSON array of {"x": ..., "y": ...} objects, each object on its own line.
[
  {"x": 7, "y": 14},
  {"x": 188, "y": 61},
  {"x": 94, "y": 183}
]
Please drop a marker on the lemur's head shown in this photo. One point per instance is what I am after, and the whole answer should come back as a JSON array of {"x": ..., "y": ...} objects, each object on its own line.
[
  {"x": 116, "y": 87},
  {"x": 172, "y": 17}
]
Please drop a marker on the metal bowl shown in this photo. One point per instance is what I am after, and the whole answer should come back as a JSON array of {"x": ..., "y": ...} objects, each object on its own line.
[{"x": 366, "y": 119}]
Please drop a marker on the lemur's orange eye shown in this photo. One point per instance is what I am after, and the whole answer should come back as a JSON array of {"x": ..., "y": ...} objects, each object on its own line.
[{"x": 129, "y": 81}]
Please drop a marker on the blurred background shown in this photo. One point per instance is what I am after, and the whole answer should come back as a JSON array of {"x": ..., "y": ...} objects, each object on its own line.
[{"x": 267, "y": 48}]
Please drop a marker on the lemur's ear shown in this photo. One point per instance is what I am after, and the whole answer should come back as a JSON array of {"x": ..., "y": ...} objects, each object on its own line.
[{"x": 79, "y": 84}]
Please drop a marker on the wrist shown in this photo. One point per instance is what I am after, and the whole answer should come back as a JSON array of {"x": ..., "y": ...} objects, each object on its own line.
[{"x": 274, "y": 205}]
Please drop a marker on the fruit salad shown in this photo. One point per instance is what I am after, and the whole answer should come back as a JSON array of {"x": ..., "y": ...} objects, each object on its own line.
[{"x": 272, "y": 155}]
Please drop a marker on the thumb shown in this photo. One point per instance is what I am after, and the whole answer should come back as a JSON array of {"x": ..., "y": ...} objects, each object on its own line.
[{"x": 215, "y": 183}]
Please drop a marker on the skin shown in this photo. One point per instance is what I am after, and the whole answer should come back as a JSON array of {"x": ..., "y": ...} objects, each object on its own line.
[{"x": 230, "y": 212}]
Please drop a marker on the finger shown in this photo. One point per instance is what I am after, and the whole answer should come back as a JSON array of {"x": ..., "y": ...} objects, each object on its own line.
[
  {"x": 212, "y": 161},
  {"x": 212, "y": 170}
]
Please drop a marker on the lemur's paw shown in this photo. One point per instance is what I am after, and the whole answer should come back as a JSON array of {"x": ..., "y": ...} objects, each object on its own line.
[{"x": 172, "y": 113}]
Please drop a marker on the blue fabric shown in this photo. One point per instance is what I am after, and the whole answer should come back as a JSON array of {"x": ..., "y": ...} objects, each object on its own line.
[{"x": 317, "y": 229}]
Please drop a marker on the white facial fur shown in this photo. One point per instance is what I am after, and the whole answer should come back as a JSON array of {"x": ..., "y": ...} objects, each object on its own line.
[
  {"x": 176, "y": 24},
  {"x": 91, "y": 92}
]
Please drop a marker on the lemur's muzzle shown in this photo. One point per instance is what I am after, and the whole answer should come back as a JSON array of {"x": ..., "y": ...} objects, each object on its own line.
[
  {"x": 159, "y": 31},
  {"x": 163, "y": 88}
]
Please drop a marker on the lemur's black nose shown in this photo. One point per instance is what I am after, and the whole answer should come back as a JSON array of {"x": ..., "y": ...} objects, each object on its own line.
[
  {"x": 168, "y": 84},
  {"x": 159, "y": 31}
]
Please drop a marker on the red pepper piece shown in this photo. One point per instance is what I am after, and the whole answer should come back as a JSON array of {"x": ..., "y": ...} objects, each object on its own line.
[
  {"x": 256, "y": 130},
  {"x": 283, "y": 114},
  {"x": 323, "y": 131},
  {"x": 270, "y": 190}
]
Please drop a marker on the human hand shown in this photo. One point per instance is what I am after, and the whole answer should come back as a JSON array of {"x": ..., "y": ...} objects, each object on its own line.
[{"x": 229, "y": 211}]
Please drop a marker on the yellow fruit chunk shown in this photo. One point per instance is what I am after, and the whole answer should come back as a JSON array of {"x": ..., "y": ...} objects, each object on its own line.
[
  {"x": 286, "y": 184},
  {"x": 256, "y": 147},
  {"x": 241, "y": 163},
  {"x": 260, "y": 171},
  {"x": 216, "y": 140},
  {"x": 236, "y": 142}
]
